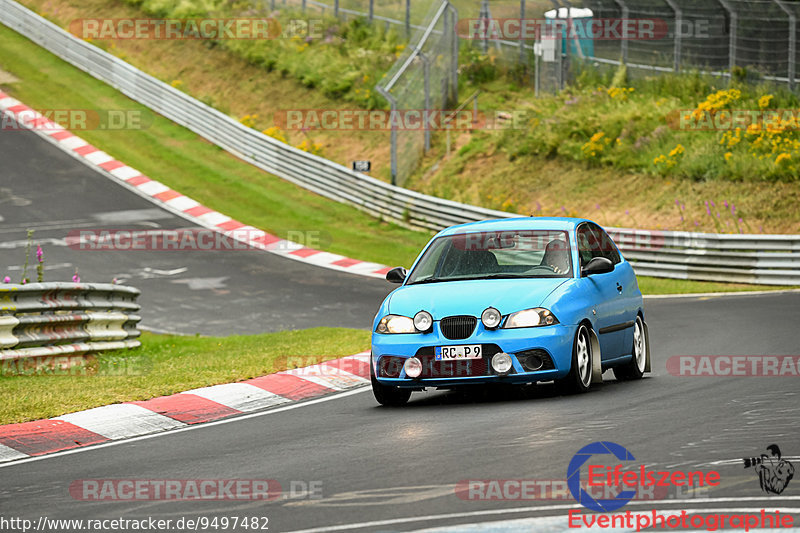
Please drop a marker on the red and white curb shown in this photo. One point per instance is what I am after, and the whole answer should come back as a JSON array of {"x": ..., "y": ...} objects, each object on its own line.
[
  {"x": 132, "y": 419},
  {"x": 176, "y": 202}
]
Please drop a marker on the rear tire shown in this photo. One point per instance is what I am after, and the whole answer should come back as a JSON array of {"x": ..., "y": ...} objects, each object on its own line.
[
  {"x": 579, "y": 378},
  {"x": 389, "y": 396},
  {"x": 634, "y": 369}
]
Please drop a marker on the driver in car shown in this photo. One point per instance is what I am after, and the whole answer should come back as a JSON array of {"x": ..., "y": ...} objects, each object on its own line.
[{"x": 556, "y": 256}]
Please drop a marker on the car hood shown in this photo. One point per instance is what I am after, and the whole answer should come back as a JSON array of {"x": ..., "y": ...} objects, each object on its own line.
[{"x": 472, "y": 297}]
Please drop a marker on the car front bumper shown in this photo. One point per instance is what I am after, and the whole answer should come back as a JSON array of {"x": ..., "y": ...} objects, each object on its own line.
[{"x": 556, "y": 341}]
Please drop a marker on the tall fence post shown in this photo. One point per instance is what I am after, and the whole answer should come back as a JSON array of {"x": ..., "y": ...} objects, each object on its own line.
[
  {"x": 623, "y": 42},
  {"x": 484, "y": 17},
  {"x": 732, "y": 39},
  {"x": 371, "y": 10},
  {"x": 676, "y": 65},
  {"x": 336, "y": 8},
  {"x": 393, "y": 139},
  {"x": 408, "y": 18},
  {"x": 454, "y": 55},
  {"x": 426, "y": 76},
  {"x": 792, "y": 43},
  {"x": 521, "y": 40}
]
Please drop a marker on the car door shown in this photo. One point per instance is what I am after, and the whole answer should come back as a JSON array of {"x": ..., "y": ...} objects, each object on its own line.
[
  {"x": 629, "y": 292},
  {"x": 606, "y": 291}
]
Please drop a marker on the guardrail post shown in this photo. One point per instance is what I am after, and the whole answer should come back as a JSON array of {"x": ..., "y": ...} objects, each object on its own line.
[
  {"x": 676, "y": 66},
  {"x": 623, "y": 42},
  {"x": 732, "y": 40},
  {"x": 792, "y": 43}
]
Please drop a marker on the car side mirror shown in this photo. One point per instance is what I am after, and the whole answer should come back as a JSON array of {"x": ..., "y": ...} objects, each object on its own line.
[
  {"x": 597, "y": 265},
  {"x": 396, "y": 275}
]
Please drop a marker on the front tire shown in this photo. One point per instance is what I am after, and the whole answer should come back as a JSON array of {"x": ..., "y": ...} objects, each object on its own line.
[
  {"x": 389, "y": 396},
  {"x": 580, "y": 373},
  {"x": 634, "y": 369}
]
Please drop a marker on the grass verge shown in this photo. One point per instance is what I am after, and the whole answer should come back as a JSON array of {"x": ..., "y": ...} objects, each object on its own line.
[
  {"x": 171, "y": 364},
  {"x": 182, "y": 160}
]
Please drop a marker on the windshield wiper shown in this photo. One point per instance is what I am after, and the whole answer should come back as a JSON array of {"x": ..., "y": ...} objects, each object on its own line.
[
  {"x": 427, "y": 280},
  {"x": 467, "y": 278}
]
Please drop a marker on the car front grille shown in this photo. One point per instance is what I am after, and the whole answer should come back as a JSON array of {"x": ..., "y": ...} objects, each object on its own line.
[{"x": 458, "y": 327}]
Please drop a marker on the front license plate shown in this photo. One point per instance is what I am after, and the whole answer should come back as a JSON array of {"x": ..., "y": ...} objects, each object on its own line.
[{"x": 449, "y": 353}]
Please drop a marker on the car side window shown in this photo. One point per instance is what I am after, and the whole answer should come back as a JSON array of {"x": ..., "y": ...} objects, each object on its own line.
[
  {"x": 607, "y": 247},
  {"x": 587, "y": 244}
]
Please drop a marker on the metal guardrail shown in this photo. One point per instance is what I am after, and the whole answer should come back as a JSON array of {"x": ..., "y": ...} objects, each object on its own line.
[
  {"x": 41, "y": 319},
  {"x": 760, "y": 259}
]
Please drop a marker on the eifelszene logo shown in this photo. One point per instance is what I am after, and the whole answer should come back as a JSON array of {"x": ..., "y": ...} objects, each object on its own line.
[
  {"x": 774, "y": 473},
  {"x": 615, "y": 478}
]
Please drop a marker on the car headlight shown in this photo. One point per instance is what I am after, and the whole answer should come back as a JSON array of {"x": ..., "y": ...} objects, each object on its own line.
[
  {"x": 530, "y": 318},
  {"x": 396, "y": 324}
]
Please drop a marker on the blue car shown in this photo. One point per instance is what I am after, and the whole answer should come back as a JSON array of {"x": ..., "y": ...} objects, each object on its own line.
[{"x": 512, "y": 301}]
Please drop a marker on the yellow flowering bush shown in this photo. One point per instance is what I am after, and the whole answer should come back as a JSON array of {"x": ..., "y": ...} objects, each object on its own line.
[
  {"x": 618, "y": 93},
  {"x": 716, "y": 101},
  {"x": 249, "y": 120},
  {"x": 276, "y": 133},
  {"x": 311, "y": 147},
  {"x": 670, "y": 160},
  {"x": 593, "y": 149}
]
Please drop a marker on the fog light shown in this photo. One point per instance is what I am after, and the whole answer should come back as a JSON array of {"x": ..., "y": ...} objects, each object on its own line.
[
  {"x": 413, "y": 367},
  {"x": 423, "y": 321},
  {"x": 532, "y": 363},
  {"x": 501, "y": 363},
  {"x": 491, "y": 318}
]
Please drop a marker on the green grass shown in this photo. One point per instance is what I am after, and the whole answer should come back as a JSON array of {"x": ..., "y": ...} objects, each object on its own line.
[
  {"x": 182, "y": 160},
  {"x": 171, "y": 364},
  {"x": 338, "y": 58},
  {"x": 650, "y": 285}
]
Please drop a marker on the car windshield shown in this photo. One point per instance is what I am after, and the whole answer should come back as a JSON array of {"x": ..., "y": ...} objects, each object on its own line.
[{"x": 495, "y": 255}]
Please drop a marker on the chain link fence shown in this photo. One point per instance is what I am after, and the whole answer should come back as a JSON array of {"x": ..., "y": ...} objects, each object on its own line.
[
  {"x": 749, "y": 39},
  {"x": 425, "y": 77},
  {"x": 398, "y": 13}
]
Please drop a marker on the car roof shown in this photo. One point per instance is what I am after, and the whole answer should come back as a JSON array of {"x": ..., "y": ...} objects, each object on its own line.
[{"x": 518, "y": 223}]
